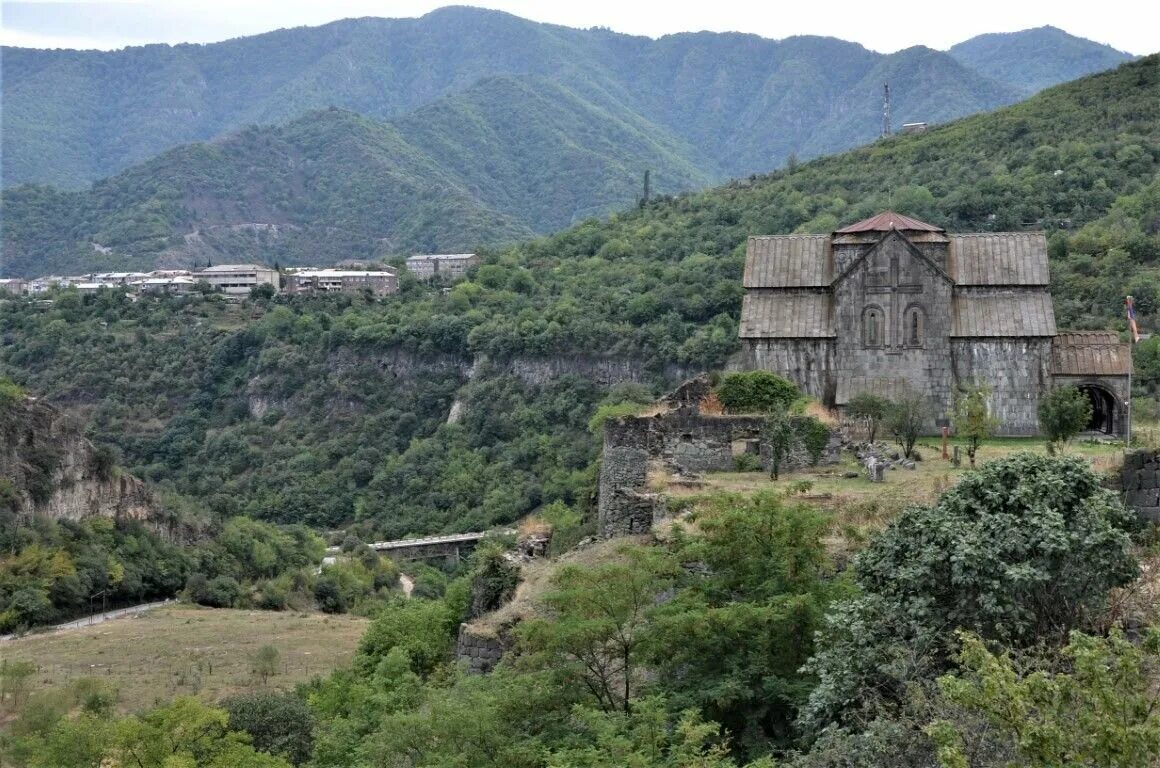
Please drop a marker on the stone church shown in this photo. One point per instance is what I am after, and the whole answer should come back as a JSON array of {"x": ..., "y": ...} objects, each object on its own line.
[{"x": 893, "y": 304}]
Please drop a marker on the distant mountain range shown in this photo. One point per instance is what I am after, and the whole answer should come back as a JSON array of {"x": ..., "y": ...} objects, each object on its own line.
[{"x": 461, "y": 127}]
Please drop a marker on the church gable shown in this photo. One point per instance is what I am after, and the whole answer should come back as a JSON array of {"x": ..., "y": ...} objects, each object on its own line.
[{"x": 893, "y": 262}]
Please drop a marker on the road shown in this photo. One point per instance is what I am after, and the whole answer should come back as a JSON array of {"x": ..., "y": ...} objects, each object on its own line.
[{"x": 98, "y": 618}]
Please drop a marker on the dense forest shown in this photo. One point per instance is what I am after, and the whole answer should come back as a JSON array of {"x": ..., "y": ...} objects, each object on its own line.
[
  {"x": 334, "y": 410},
  {"x": 733, "y": 640}
]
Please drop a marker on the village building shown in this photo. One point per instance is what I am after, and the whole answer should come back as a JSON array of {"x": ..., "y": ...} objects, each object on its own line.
[
  {"x": 178, "y": 285},
  {"x": 12, "y": 285},
  {"x": 238, "y": 279},
  {"x": 310, "y": 281},
  {"x": 448, "y": 266},
  {"x": 892, "y": 305}
]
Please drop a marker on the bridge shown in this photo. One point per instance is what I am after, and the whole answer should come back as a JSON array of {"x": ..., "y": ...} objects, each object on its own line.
[{"x": 451, "y": 547}]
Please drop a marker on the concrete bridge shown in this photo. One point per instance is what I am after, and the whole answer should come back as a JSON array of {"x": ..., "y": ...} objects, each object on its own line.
[{"x": 450, "y": 547}]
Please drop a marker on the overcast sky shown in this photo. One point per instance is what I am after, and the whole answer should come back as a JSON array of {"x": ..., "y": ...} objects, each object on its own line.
[{"x": 881, "y": 26}]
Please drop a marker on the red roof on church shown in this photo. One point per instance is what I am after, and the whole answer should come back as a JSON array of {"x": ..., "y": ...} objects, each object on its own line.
[{"x": 886, "y": 221}]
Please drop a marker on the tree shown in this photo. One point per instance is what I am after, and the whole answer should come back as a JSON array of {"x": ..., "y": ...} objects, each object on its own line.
[
  {"x": 328, "y": 595},
  {"x": 1064, "y": 412},
  {"x": 597, "y": 623},
  {"x": 907, "y": 418},
  {"x": 778, "y": 436},
  {"x": 1021, "y": 551},
  {"x": 972, "y": 419},
  {"x": 756, "y": 392},
  {"x": 732, "y": 642},
  {"x": 1103, "y": 709},
  {"x": 278, "y": 723},
  {"x": 869, "y": 409},
  {"x": 266, "y": 663}
]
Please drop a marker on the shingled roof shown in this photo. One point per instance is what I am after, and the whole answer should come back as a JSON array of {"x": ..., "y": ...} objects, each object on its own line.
[
  {"x": 999, "y": 258},
  {"x": 1090, "y": 353},
  {"x": 788, "y": 261},
  {"x": 1011, "y": 313},
  {"x": 786, "y": 315},
  {"x": 886, "y": 221}
]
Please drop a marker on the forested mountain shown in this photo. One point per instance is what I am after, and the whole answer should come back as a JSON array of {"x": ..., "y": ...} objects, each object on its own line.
[
  {"x": 745, "y": 103},
  {"x": 499, "y": 161},
  {"x": 1035, "y": 58},
  {"x": 331, "y": 410}
]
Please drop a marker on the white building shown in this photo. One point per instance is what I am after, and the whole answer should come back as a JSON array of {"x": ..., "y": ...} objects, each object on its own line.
[
  {"x": 449, "y": 266},
  {"x": 307, "y": 281},
  {"x": 238, "y": 279}
]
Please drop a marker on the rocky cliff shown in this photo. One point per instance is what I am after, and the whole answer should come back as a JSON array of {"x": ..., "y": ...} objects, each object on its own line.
[{"x": 47, "y": 467}]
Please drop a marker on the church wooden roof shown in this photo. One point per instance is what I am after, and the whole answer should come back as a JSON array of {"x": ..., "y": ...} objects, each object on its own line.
[
  {"x": 999, "y": 258},
  {"x": 786, "y": 315},
  {"x": 1090, "y": 353},
  {"x": 1010, "y": 313},
  {"x": 886, "y": 221},
  {"x": 788, "y": 261}
]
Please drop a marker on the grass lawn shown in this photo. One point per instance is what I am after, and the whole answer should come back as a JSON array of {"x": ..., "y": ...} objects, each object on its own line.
[
  {"x": 858, "y": 506},
  {"x": 187, "y": 650}
]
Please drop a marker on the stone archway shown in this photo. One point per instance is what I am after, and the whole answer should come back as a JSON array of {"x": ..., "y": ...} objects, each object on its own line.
[{"x": 1103, "y": 408}]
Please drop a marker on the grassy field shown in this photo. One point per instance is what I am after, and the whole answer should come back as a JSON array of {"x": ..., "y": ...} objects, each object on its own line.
[
  {"x": 858, "y": 506},
  {"x": 186, "y": 650}
]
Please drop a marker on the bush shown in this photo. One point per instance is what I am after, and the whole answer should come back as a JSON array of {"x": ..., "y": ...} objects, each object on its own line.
[
  {"x": 1064, "y": 412},
  {"x": 328, "y": 595},
  {"x": 221, "y": 592},
  {"x": 747, "y": 462},
  {"x": 869, "y": 409},
  {"x": 1021, "y": 551},
  {"x": 278, "y": 723},
  {"x": 756, "y": 392}
]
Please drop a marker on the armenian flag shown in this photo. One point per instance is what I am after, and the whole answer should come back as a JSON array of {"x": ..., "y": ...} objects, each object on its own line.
[{"x": 1132, "y": 320}]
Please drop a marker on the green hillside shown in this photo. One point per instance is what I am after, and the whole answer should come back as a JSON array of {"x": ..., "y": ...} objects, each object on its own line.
[
  {"x": 334, "y": 410},
  {"x": 1035, "y": 58},
  {"x": 745, "y": 103},
  {"x": 503, "y": 159}
]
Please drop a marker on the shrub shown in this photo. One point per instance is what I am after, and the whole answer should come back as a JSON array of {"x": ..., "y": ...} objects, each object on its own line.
[
  {"x": 278, "y": 723},
  {"x": 756, "y": 392},
  {"x": 1064, "y": 412}
]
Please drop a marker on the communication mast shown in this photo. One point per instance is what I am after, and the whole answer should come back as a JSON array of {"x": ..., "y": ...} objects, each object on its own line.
[{"x": 885, "y": 110}]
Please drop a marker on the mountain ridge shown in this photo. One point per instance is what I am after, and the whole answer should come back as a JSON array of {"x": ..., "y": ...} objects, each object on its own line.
[{"x": 72, "y": 117}]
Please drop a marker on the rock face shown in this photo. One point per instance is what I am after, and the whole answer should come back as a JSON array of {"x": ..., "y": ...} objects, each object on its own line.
[{"x": 49, "y": 468}]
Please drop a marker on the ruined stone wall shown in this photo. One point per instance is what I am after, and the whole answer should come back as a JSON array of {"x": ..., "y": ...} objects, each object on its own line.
[
  {"x": 1016, "y": 370},
  {"x": 1140, "y": 482},
  {"x": 479, "y": 653},
  {"x": 686, "y": 441},
  {"x": 809, "y": 363},
  {"x": 623, "y": 509}
]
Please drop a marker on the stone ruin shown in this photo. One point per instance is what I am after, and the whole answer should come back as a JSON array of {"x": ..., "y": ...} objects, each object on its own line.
[{"x": 686, "y": 441}]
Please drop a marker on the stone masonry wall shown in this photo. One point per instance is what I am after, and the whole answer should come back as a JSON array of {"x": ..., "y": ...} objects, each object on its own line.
[
  {"x": 1140, "y": 481},
  {"x": 686, "y": 440},
  {"x": 809, "y": 363},
  {"x": 480, "y": 653},
  {"x": 1017, "y": 370}
]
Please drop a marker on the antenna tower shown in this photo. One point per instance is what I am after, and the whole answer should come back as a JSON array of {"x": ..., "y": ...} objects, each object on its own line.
[{"x": 885, "y": 110}]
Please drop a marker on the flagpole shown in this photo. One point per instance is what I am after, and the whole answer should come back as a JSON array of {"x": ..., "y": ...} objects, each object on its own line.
[{"x": 1128, "y": 404}]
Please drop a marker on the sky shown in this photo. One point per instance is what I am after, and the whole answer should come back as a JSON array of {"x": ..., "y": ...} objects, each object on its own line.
[{"x": 882, "y": 26}]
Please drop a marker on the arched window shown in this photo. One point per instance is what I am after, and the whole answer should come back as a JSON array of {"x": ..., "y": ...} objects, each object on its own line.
[
  {"x": 873, "y": 327},
  {"x": 914, "y": 326}
]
